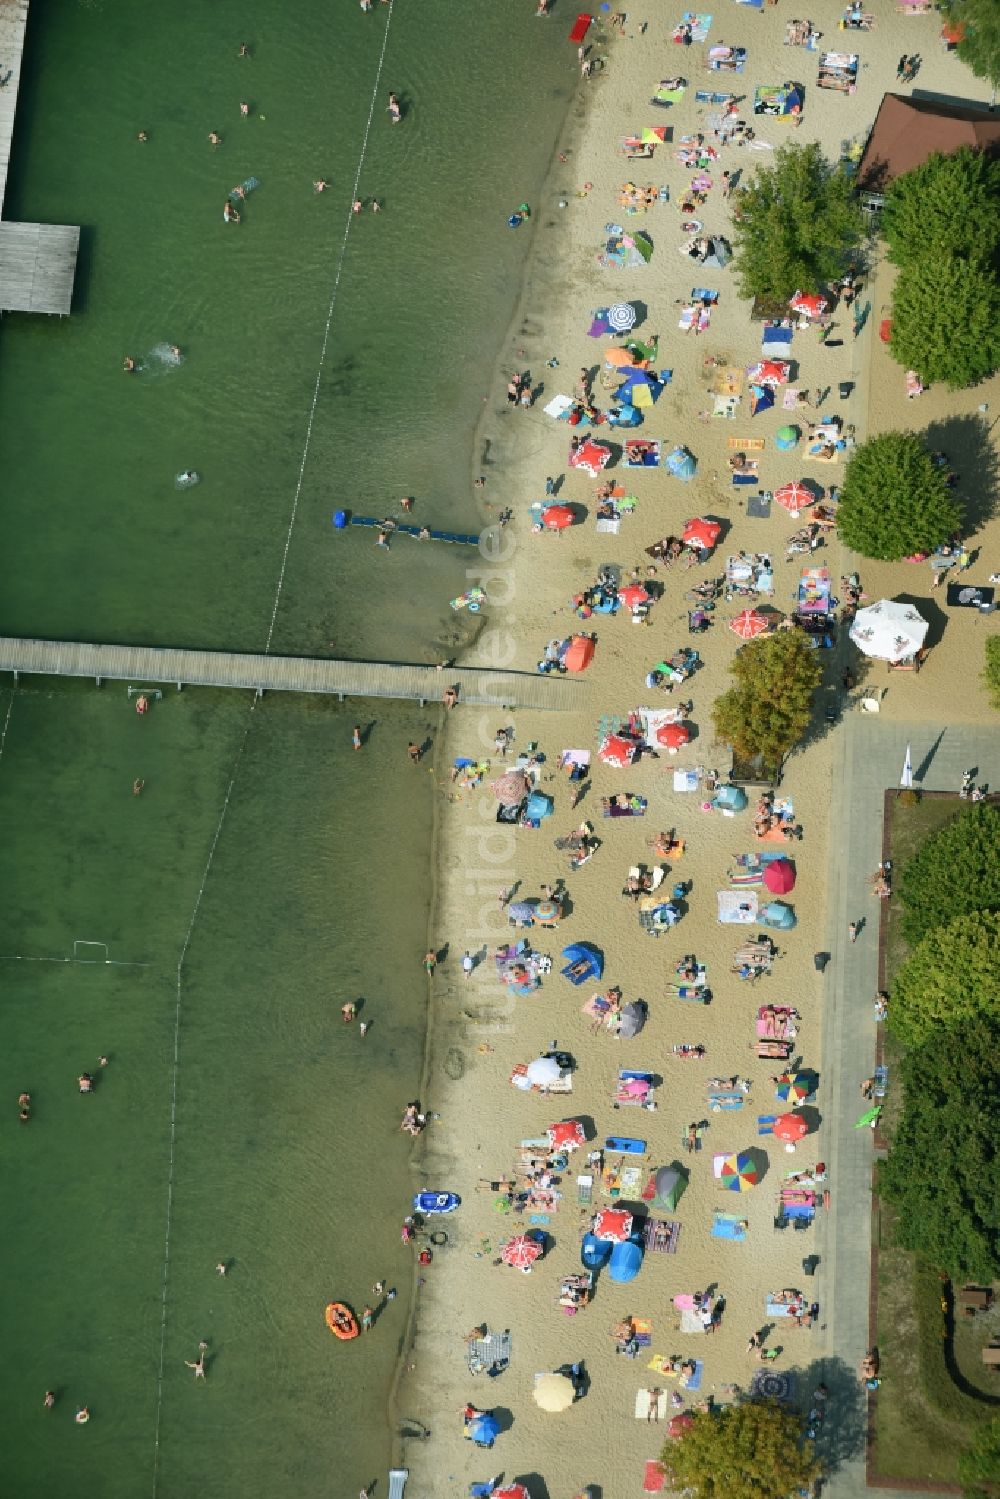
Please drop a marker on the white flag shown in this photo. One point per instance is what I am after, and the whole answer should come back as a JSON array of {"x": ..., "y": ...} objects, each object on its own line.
[{"x": 906, "y": 779}]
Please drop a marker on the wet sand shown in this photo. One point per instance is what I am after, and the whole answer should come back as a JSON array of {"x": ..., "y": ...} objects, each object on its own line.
[{"x": 479, "y": 1032}]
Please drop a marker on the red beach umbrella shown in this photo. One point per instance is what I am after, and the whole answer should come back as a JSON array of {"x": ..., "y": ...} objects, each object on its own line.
[
  {"x": 614, "y": 1224},
  {"x": 633, "y": 594},
  {"x": 617, "y": 751},
  {"x": 678, "y": 1425},
  {"x": 520, "y": 1252},
  {"x": 748, "y": 624},
  {"x": 579, "y": 656},
  {"x": 700, "y": 532},
  {"x": 557, "y": 517},
  {"x": 809, "y": 302},
  {"x": 512, "y": 1491},
  {"x": 790, "y": 1127},
  {"x": 568, "y": 1134},
  {"x": 794, "y": 496},
  {"x": 673, "y": 735},
  {"x": 591, "y": 456},
  {"x": 779, "y": 876}
]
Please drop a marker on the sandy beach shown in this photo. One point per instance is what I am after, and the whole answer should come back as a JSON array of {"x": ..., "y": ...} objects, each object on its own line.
[{"x": 479, "y": 1032}]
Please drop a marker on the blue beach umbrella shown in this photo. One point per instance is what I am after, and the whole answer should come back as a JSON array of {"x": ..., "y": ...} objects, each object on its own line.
[{"x": 483, "y": 1429}]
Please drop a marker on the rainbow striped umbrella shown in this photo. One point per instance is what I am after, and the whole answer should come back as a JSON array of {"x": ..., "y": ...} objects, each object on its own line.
[{"x": 739, "y": 1172}]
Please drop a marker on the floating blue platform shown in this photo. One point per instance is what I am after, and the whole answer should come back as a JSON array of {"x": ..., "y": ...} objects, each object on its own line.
[{"x": 455, "y": 537}]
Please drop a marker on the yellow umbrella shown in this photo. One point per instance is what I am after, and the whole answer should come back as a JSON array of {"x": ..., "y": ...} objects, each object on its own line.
[
  {"x": 620, "y": 358},
  {"x": 554, "y": 1392}
]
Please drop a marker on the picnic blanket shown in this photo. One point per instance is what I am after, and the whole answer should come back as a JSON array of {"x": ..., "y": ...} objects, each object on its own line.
[
  {"x": 699, "y": 23},
  {"x": 489, "y": 1354},
  {"x": 702, "y": 316},
  {"x": 776, "y": 339}
]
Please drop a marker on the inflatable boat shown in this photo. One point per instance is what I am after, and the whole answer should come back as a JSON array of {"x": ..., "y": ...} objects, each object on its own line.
[
  {"x": 435, "y": 1202},
  {"x": 349, "y": 1329}
]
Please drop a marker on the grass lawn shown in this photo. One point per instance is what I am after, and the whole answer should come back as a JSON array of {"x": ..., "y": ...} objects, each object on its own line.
[{"x": 923, "y": 1421}]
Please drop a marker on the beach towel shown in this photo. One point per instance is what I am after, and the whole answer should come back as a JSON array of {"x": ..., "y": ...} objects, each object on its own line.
[
  {"x": 685, "y": 780},
  {"x": 661, "y": 1364},
  {"x": 642, "y": 1331},
  {"x": 776, "y": 339},
  {"x": 654, "y": 1478},
  {"x": 489, "y": 1354},
  {"x": 698, "y": 22},
  {"x": 790, "y": 399},
  {"x": 693, "y": 1381},
  {"x": 747, "y": 475},
  {"x": 727, "y": 59},
  {"x": 728, "y": 1226},
  {"x": 597, "y": 1008},
  {"x": 651, "y": 1406},
  {"x": 665, "y": 97},
  {"x": 691, "y": 1321},
  {"x": 746, "y": 444},
  {"x": 759, "y": 506}
]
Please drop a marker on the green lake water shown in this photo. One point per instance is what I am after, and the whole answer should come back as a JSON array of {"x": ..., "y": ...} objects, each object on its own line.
[{"x": 285, "y": 872}]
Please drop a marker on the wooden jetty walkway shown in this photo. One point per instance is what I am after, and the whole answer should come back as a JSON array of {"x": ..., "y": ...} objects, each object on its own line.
[
  {"x": 147, "y": 666},
  {"x": 37, "y": 261}
]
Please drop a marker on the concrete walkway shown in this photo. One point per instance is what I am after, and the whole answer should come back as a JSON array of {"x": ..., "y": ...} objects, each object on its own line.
[{"x": 868, "y": 760}]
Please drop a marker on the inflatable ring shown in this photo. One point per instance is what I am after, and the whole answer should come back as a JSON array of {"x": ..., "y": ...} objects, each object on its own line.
[{"x": 345, "y": 1334}]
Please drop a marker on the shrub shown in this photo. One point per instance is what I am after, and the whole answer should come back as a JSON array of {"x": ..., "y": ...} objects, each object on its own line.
[{"x": 991, "y": 670}]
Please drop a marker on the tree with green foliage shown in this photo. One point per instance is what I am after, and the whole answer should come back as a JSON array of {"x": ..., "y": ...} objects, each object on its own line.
[
  {"x": 954, "y": 873},
  {"x": 769, "y": 709},
  {"x": 949, "y": 206},
  {"x": 991, "y": 670},
  {"x": 979, "y": 1468},
  {"x": 951, "y": 977},
  {"x": 942, "y": 1174},
  {"x": 796, "y": 223},
  {"x": 756, "y": 1450},
  {"x": 979, "y": 48},
  {"x": 894, "y": 501},
  {"x": 946, "y": 320}
]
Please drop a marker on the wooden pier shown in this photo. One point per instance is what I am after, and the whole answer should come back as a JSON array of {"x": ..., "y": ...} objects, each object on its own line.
[
  {"x": 156, "y": 666},
  {"x": 37, "y": 261}
]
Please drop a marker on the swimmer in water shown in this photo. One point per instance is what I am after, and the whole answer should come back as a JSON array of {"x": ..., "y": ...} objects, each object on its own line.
[
  {"x": 128, "y": 365},
  {"x": 244, "y": 108},
  {"x": 244, "y": 49},
  {"x": 175, "y": 351},
  {"x": 376, "y": 206},
  {"x": 320, "y": 185},
  {"x": 230, "y": 214},
  {"x": 238, "y": 192},
  {"x": 357, "y": 206},
  {"x": 214, "y": 138},
  {"x": 395, "y": 113},
  {"x": 142, "y": 136}
]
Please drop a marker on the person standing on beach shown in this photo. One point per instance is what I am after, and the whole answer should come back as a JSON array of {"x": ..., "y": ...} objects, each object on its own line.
[
  {"x": 468, "y": 964},
  {"x": 356, "y": 736},
  {"x": 414, "y": 751},
  {"x": 430, "y": 962},
  {"x": 853, "y": 929}
]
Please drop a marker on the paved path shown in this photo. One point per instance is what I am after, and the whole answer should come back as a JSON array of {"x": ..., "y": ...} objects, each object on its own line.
[{"x": 868, "y": 760}]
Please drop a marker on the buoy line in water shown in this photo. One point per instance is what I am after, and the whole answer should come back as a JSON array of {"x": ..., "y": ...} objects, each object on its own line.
[{"x": 326, "y": 331}]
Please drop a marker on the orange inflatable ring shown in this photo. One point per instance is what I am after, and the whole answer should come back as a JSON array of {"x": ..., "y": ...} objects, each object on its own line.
[{"x": 347, "y": 1332}]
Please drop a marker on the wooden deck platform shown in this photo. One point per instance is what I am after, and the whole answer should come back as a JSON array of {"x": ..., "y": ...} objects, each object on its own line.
[
  {"x": 13, "y": 20},
  {"x": 38, "y": 267},
  {"x": 152, "y": 666}
]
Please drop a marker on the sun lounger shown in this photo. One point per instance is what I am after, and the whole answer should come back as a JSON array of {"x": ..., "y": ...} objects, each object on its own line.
[
  {"x": 661, "y": 1235},
  {"x": 490, "y": 1354}
]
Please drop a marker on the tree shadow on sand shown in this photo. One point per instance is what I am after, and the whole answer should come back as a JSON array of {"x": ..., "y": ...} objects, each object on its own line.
[{"x": 966, "y": 442}]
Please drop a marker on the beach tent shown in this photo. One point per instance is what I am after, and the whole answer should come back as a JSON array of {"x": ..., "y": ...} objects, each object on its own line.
[
  {"x": 617, "y": 751},
  {"x": 681, "y": 463},
  {"x": 632, "y": 1019},
  {"x": 640, "y": 387},
  {"x": 719, "y": 254},
  {"x": 701, "y": 532},
  {"x": 553, "y": 1393},
  {"x": 595, "y": 1252},
  {"x": 558, "y": 517},
  {"x": 591, "y": 456},
  {"x": 625, "y": 1262},
  {"x": 761, "y": 398},
  {"x": 483, "y": 1429},
  {"x": 669, "y": 1184},
  {"x": 630, "y": 251},
  {"x": 579, "y": 653},
  {"x": 779, "y": 876},
  {"x": 624, "y": 416},
  {"x": 538, "y": 806},
  {"x": 889, "y": 630},
  {"x": 614, "y": 1224},
  {"x": 730, "y": 799},
  {"x": 737, "y": 907},
  {"x": 776, "y": 914},
  {"x": 584, "y": 954}
]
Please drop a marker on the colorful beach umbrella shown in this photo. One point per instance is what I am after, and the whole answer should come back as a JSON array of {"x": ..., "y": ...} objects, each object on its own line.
[
  {"x": 673, "y": 735},
  {"x": 650, "y": 134},
  {"x": 790, "y": 1128},
  {"x": 548, "y": 912},
  {"x": 779, "y": 876},
  {"x": 633, "y": 594},
  {"x": 785, "y": 438},
  {"x": 795, "y": 497},
  {"x": 621, "y": 317},
  {"x": 739, "y": 1172},
  {"x": 769, "y": 371},
  {"x": 809, "y": 302},
  {"x": 614, "y": 1224},
  {"x": 520, "y": 1252},
  {"x": 511, "y": 1491},
  {"x": 793, "y": 1087},
  {"x": 557, "y": 517},
  {"x": 510, "y": 789},
  {"x": 748, "y": 624},
  {"x": 620, "y": 358},
  {"x": 554, "y": 1393}
]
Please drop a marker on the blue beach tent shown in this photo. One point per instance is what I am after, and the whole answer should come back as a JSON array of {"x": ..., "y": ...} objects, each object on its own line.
[
  {"x": 590, "y": 959},
  {"x": 625, "y": 1262},
  {"x": 595, "y": 1252}
]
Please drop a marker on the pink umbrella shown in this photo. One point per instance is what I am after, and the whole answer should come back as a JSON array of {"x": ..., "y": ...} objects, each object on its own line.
[
  {"x": 520, "y": 1252},
  {"x": 614, "y": 1224},
  {"x": 779, "y": 876},
  {"x": 557, "y": 517},
  {"x": 673, "y": 735},
  {"x": 794, "y": 497},
  {"x": 790, "y": 1127},
  {"x": 748, "y": 624},
  {"x": 678, "y": 1425},
  {"x": 633, "y": 594}
]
